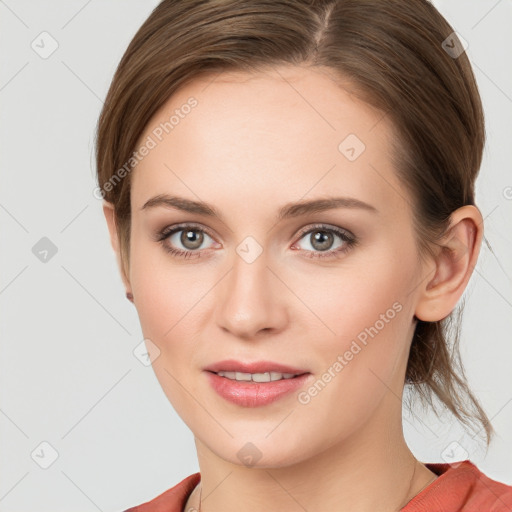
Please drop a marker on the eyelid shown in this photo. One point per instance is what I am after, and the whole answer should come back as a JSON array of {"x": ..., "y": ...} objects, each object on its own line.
[
  {"x": 167, "y": 231},
  {"x": 320, "y": 226}
]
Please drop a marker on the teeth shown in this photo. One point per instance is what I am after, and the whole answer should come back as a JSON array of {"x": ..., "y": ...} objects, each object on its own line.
[{"x": 256, "y": 377}]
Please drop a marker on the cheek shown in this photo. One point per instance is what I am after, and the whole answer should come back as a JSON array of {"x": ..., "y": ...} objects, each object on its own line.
[
  {"x": 359, "y": 361},
  {"x": 352, "y": 298},
  {"x": 365, "y": 315}
]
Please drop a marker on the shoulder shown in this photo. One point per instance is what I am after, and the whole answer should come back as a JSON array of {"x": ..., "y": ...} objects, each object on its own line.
[
  {"x": 172, "y": 500},
  {"x": 461, "y": 487}
]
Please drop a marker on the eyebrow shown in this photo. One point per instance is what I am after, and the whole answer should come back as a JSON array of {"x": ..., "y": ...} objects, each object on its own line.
[{"x": 289, "y": 210}]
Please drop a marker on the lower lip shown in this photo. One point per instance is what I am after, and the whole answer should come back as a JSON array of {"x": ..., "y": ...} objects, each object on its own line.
[{"x": 254, "y": 394}]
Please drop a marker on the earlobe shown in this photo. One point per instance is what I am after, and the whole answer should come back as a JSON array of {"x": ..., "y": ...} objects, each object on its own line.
[{"x": 452, "y": 266}]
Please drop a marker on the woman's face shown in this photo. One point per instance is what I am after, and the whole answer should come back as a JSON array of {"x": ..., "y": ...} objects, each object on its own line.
[{"x": 259, "y": 286}]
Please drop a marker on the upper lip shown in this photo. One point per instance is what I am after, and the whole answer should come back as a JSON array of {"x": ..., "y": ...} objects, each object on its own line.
[{"x": 230, "y": 365}]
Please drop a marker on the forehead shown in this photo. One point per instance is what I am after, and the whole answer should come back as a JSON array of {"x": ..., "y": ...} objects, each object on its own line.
[{"x": 282, "y": 132}]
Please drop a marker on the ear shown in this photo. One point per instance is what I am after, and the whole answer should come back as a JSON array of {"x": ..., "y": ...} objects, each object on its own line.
[
  {"x": 453, "y": 265},
  {"x": 109, "y": 212}
]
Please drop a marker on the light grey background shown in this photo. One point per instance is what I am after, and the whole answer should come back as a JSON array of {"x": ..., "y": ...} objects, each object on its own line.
[{"x": 68, "y": 374}]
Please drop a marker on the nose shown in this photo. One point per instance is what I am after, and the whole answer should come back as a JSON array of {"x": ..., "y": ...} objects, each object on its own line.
[{"x": 251, "y": 299}]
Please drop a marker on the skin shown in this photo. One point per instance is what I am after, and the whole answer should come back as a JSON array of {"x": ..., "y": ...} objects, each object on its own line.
[{"x": 253, "y": 143}]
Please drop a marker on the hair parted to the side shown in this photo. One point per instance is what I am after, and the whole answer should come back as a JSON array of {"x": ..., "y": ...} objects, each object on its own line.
[{"x": 390, "y": 53}]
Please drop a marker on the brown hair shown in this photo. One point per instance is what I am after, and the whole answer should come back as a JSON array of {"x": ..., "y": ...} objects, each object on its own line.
[{"x": 397, "y": 55}]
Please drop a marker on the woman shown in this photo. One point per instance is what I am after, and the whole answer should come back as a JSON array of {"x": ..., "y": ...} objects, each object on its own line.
[{"x": 289, "y": 189}]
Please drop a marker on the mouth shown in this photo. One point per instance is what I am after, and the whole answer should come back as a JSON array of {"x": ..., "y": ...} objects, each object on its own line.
[
  {"x": 258, "y": 377},
  {"x": 255, "y": 384},
  {"x": 257, "y": 371}
]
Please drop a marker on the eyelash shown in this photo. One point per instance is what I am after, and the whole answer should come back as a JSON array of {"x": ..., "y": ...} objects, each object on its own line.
[{"x": 349, "y": 239}]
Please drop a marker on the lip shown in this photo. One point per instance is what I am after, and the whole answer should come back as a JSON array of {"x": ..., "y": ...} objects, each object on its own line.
[
  {"x": 255, "y": 394},
  {"x": 230, "y": 365}
]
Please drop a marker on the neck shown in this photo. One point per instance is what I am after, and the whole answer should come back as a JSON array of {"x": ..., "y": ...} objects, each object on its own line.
[{"x": 373, "y": 470}]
